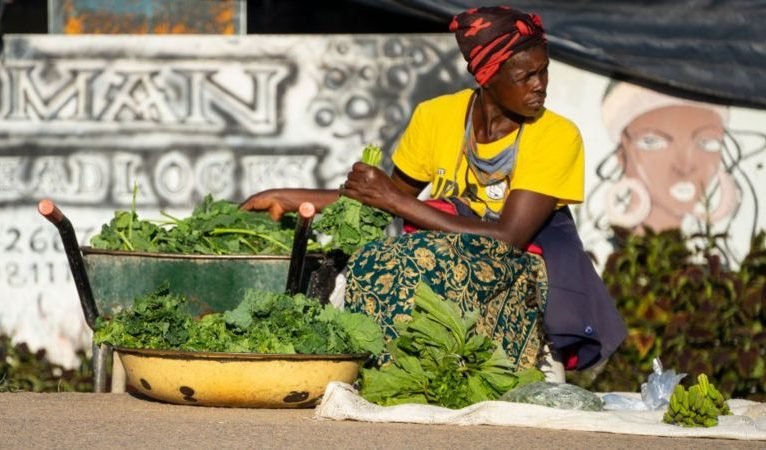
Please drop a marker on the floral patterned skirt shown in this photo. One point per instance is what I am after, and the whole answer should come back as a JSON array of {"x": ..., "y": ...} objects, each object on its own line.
[{"x": 508, "y": 287}]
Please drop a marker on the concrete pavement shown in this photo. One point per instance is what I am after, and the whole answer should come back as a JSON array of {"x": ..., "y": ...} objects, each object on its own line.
[{"x": 106, "y": 421}]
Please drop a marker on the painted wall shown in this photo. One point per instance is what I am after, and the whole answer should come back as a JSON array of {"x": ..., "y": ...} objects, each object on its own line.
[{"x": 83, "y": 118}]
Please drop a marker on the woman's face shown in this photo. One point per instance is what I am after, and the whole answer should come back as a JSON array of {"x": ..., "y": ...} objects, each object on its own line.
[
  {"x": 521, "y": 83},
  {"x": 676, "y": 152}
]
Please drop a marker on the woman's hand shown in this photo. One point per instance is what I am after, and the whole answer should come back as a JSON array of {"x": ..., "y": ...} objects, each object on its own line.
[
  {"x": 372, "y": 187},
  {"x": 275, "y": 201}
]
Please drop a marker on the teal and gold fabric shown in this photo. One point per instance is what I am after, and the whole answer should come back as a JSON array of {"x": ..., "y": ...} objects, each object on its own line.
[{"x": 508, "y": 286}]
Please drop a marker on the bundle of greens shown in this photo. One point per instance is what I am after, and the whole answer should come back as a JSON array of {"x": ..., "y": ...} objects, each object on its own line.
[
  {"x": 158, "y": 320},
  {"x": 263, "y": 322},
  {"x": 439, "y": 359},
  {"x": 350, "y": 223},
  {"x": 214, "y": 228}
]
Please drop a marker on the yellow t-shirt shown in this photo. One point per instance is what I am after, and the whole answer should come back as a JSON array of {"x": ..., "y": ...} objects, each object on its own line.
[{"x": 550, "y": 158}]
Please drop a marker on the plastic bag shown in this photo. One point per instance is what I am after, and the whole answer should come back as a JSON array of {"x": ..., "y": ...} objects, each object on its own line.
[
  {"x": 617, "y": 402},
  {"x": 555, "y": 395},
  {"x": 655, "y": 393}
]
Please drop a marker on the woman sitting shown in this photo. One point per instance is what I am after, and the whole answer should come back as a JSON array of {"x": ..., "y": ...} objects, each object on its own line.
[{"x": 502, "y": 169}]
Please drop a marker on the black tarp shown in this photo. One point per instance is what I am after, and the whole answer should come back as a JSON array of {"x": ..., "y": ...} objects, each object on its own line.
[{"x": 714, "y": 50}]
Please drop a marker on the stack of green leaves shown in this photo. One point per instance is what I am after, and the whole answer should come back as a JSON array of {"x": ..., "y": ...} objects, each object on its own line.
[
  {"x": 214, "y": 228},
  {"x": 700, "y": 406},
  {"x": 349, "y": 223},
  {"x": 439, "y": 358},
  {"x": 159, "y": 320},
  {"x": 127, "y": 232},
  {"x": 263, "y": 322}
]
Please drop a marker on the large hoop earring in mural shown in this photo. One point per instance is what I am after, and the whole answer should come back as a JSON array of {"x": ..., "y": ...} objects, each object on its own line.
[
  {"x": 728, "y": 201},
  {"x": 634, "y": 215}
]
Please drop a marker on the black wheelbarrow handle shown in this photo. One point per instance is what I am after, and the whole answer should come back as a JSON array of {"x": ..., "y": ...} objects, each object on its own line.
[
  {"x": 50, "y": 211},
  {"x": 298, "y": 256}
]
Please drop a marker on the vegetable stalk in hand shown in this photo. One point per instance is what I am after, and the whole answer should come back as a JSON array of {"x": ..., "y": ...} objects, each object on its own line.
[{"x": 350, "y": 223}]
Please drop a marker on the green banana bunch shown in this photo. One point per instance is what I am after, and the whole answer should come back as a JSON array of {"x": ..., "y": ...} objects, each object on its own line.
[{"x": 700, "y": 406}]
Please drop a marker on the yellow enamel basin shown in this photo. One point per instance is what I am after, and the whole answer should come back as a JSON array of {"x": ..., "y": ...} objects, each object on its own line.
[{"x": 249, "y": 380}]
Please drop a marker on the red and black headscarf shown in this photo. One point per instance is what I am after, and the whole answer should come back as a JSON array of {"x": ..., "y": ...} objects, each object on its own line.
[{"x": 488, "y": 36}]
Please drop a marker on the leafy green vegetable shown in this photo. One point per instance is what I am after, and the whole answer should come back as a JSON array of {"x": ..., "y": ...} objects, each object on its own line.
[
  {"x": 263, "y": 322},
  {"x": 439, "y": 358},
  {"x": 158, "y": 320},
  {"x": 372, "y": 155},
  {"x": 215, "y": 227},
  {"x": 350, "y": 223},
  {"x": 361, "y": 329}
]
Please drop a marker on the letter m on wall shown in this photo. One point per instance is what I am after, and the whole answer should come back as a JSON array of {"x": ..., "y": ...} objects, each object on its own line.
[{"x": 70, "y": 99}]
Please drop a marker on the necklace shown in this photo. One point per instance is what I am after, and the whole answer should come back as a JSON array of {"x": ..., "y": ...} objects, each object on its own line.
[{"x": 492, "y": 170}]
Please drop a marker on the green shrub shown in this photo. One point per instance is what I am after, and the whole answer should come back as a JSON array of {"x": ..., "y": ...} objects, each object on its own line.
[{"x": 688, "y": 309}]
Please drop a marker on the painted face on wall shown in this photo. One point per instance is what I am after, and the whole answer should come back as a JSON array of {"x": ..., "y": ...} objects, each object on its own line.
[{"x": 676, "y": 152}]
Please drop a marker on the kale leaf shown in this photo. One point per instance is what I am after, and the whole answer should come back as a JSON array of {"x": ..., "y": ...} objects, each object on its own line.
[
  {"x": 349, "y": 223},
  {"x": 157, "y": 320},
  {"x": 263, "y": 322},
  {"x": 214, "y": 228}
]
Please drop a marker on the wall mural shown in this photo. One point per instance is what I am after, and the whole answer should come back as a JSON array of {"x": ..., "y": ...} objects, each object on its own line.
[
  {"x": 677, "y": 163},
  {"x": 83, "y": 119}
]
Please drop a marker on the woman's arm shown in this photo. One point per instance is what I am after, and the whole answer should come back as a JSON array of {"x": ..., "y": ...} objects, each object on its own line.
[
  {"x": 279, "y": 201},
  {"x": 523, "y": 215}
]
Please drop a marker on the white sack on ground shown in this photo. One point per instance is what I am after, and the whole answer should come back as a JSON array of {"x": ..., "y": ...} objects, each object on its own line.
[{"x": 341, "y": 402}]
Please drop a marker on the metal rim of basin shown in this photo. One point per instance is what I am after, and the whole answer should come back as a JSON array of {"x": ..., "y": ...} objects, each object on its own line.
[
  {"x": 180, "y": 354},
  {"x": 87, "y": 250}
]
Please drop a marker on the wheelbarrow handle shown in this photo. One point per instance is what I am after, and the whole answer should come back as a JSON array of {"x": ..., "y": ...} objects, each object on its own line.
[
  {"x": 306, "y": 213},
  {"x": 50, "y": 211}
]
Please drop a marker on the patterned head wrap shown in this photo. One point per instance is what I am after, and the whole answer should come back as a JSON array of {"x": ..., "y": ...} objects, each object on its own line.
[{"x": 488, "y": 36}]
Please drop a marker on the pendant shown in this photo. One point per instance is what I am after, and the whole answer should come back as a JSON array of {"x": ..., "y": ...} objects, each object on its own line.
[{"x": 496, "y": 191}]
